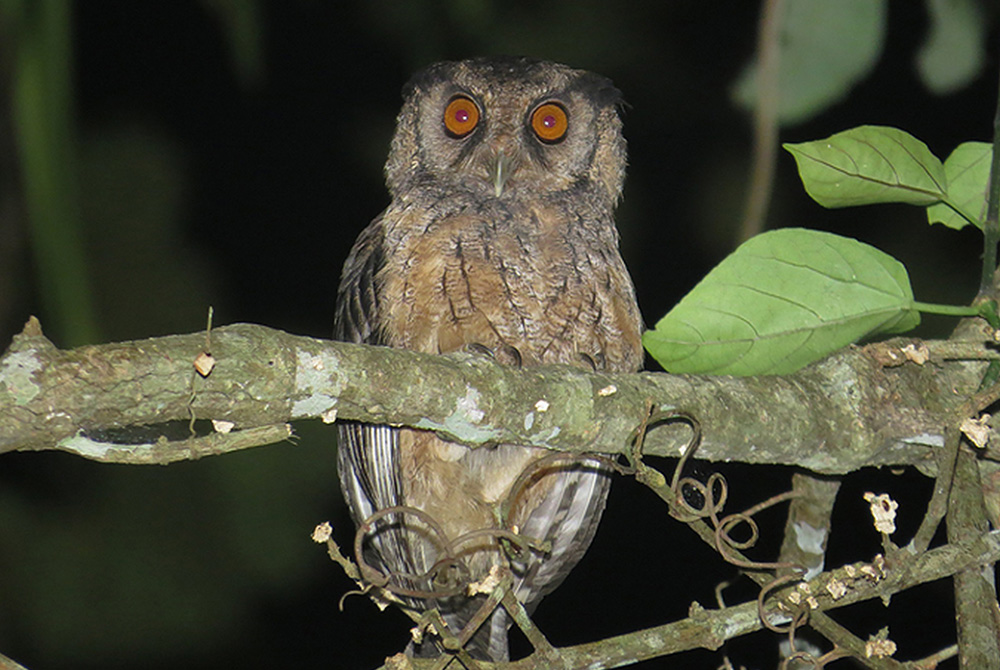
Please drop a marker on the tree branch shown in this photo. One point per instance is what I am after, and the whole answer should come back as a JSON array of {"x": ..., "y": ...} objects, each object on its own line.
[
  {"x": 709, "y": 629},
  {"x": 834, "y": 417},
  {"x": 975, "y": 592}
]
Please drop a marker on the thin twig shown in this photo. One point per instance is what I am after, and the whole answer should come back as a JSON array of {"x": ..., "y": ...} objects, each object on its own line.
[
  {"x": 765, "y": 139},
  {"x": 938, "y": 505},
  {"x": 931, "y": 662},
  {"x": 850, "y": 643},
  {"x": 900, "y": 351},
  {"x": 543, "y": 648},
  {"x": 164, "y": 451}
]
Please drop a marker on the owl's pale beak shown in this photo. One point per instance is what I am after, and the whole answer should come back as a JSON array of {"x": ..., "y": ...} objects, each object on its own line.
[{"x": 502, "y": 169}]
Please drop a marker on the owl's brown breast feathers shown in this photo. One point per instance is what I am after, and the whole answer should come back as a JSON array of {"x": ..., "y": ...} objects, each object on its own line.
[{"x": 540, "y": 281}]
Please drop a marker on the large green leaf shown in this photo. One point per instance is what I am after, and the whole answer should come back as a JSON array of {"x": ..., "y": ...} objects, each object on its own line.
[
  {"x": 780, "y": 301},
  {"x": 968, "y": 173},
  {"x": 825, "y": 49},
  {"x": 954, "y": 50},
  {"x": 869, "y": 165}
]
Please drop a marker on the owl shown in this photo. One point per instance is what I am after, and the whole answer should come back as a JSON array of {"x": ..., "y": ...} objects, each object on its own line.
[{"x": 500, "y": 238}]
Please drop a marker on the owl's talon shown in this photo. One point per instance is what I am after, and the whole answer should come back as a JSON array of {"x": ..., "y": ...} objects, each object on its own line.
[
  {"x": 596, "y": 363},
  {"x": 504, "y": 354},
  {"x": 478, "y": 349}
]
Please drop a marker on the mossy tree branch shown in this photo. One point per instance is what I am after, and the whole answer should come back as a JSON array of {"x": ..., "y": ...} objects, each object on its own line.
[{"x": 834, "y": 417}]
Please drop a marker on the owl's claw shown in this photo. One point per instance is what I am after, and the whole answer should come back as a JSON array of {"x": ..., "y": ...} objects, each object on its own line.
[
  {"x": 596, "y": 363},
  {"x": 477, "y": 349},
  {"x": 508, "y": 355},
  {"x": 504, "y": 354}
]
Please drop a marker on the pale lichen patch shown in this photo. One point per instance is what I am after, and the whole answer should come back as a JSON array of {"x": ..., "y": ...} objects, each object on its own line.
[
  {"x": 317, "y": 384},
  {"x": 809, "y": 539},
  {"x": 469, "y": 405},
  {"x": 529, "y": 420},
  {"x": 17, "y": 375},
  {"x": 461, "y": 422},
  {"x": 90, "y": 448}
]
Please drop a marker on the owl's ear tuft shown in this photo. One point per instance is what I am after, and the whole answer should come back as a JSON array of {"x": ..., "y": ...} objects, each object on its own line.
[
  {"x": 599, "y": 89},
  {"x": 423, "y": 79}
]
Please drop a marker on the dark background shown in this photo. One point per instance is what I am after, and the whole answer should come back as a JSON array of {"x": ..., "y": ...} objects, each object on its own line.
[{"x": 207, "y": 182}]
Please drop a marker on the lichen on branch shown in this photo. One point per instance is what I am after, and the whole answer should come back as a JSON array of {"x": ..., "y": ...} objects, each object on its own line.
[{"x": 836, "y": 416}]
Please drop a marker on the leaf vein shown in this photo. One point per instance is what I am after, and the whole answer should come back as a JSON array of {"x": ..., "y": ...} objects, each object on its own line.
[
  {"x": 805, "y": 266},
  {"x": 869, "y": 178},
  {"x": 920, "y": 164}
]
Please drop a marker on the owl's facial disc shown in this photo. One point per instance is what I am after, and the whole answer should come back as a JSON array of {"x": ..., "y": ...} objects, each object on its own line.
[{"x": 504, "y": 141}]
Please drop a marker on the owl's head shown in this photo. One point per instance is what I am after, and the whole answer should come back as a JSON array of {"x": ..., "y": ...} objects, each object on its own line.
[{"x": 508, "y": 126}]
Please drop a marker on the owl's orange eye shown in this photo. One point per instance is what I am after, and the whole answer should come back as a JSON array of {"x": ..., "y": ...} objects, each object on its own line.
[
  {"x": 461, "y": 116},
  {"x": 550, "y": 122}
]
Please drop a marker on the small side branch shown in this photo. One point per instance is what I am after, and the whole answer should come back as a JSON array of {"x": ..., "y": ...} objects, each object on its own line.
[
  {"x": 711, "y": 628},
  {"x": 975, "y": 592}
]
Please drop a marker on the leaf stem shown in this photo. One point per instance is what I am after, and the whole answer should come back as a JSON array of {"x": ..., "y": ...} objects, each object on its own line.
[{"x": 948, "y": 310}]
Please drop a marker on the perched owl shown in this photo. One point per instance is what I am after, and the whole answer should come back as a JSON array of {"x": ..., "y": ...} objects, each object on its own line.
[{"x": 504, "y": 174}]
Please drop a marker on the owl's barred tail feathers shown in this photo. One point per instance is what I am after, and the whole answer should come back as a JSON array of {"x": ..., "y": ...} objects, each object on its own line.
[
  {"x": 565, "y": 521},
  {"x": 493, "y": 636}
]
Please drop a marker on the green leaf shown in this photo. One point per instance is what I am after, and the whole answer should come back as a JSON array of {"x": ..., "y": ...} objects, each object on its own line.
[
  {"x": 825, "y": 49},
  {"x": 868, "y": 165},
  {"x": 782, "y": 300},
  {"x": 953, "y": 54},
  {"x": 968, "y": 172}
]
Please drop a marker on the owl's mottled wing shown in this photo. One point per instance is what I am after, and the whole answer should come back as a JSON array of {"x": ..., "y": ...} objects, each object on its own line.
[
  {"x": 366, "y": 453},
  {"x": 357, "y": 310}
]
